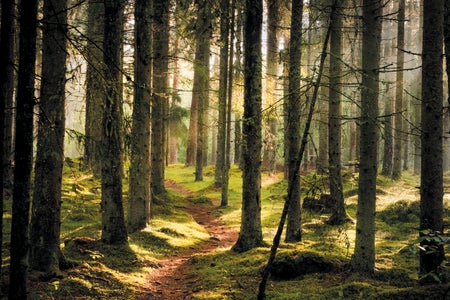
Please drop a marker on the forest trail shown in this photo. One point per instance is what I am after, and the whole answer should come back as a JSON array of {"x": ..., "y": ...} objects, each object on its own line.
[{"x": 174, "y": 279}]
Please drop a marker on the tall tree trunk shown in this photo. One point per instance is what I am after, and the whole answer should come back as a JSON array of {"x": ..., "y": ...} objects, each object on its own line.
[
  {"x": 293, "y": 228},
  {"x": 285, "y": 107},
  {"x": 363, "y": 260},
  {"x": 94, "y": 86},
  {"x": 339, "y": 215},
  {"x": 399, "y": 135},
  {"x": 159, "y": 96},
  {"x": 250, "y": 235},
  {"x": 227, "y": 162},
  {"x": 7, "y": 56},
  {"x": 139, "y": 198},
  {"x": 46, "y": 209},
  {"x": 201, "y": 82},
  {"x": 431, "y": 186},
  {"x": 7, "y": 45},
  {"x": 223, "y": 87},
  {"x": 113, "y": 222},
  {"x": 270, "y": 145},
  {"x": 23, "y": 150}
]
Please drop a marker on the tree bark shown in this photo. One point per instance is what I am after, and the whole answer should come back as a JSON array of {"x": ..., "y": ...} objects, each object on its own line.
[
  {"x": 250, "y": 235},
  {"x": 45, "y": 250},
  {"x": 293, "y": 228},
  {"x": 399, "y": 135},
  {"x": 23, "y": 149},
  {"x": 223, "y": 87},
  {"x": 113, "y": 222},
  {"x": 7, "y": 56},
  {"x": 270, "y": 119},
  {"x": 7, "y": 45},
  {"x": 201, "y": 82},
  {"x": 339, "y": 215},
  {"x": 160, "y": 94},
  {"x": 431, "y": 186},
  {"x": 363, "y": 260},
  {"x": 139, "y": 198},
  {"x": 94, "y": 86}
]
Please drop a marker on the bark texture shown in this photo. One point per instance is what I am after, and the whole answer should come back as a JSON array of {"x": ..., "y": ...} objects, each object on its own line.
[
  {"x": 113, "y": 221},
  {"x": 94, "y": 86},
  {"x": 293, "y": 227},
  {"x": 45, "y": 250},
  {"x": 24, "y": 150},
  {"x": 431, "y": 182},
  {"x": 363, "y": 260},
  {"x": 139, "y": 192},
  {"x": 160, "y": 96},
  {"x": 250, "y": 235}
]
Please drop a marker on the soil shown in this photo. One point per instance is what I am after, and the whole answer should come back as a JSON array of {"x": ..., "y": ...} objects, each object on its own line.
[{"x": 174, "y": 280}]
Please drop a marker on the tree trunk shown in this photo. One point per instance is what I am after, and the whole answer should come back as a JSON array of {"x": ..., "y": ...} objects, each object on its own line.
[
  {"x": 113, "y": 222},
  {"x": 270, "y": 145},
  {"x": 399, "y": 135},
  {"x": 23, "y": 150},
  {"x": 386, "y": 169},
  {"x": 237, "y": 139},
  {"x": 363, "y": 260},
  {"x": 250, "y": 235},
  {"x": 139, "y": 198},
  {"x": 46, "y": 208},
  {"x": 201, "y": 82},
  {"x": 293, "y": 228},
  {"x": 223, "y": 87},
  {"x": 159, "y": 96},
  {"x": 7, "y": 45},
  {"x": 7, "y": 56},
  {"x": 227, "y": 162},
  {"x": 94, "y": 86},
  {"x": 339, "y": 215},
  {"x": 431, "y": 186}
]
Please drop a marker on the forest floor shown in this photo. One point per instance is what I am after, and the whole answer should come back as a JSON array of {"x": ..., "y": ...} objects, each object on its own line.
[
  {"x": 185, "y": 252},
  {"x": 174, "y": 278}
]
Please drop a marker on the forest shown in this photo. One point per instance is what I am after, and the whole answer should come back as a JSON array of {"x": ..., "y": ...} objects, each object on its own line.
[{"x": 224, "y": 149}]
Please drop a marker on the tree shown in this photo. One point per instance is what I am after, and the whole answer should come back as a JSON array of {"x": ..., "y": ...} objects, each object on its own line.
[
  {"x": 250, "y": 235},
  {"x": 431, "y": 186},
  {"x": 201, "y": 81},
  {"x": 160, "y": 95},
  {"x": 94, "y": 86},
  {"x": 24, "y": 149},
  {"x": 223, "y": 86},
  {"x": 45, "y": 250},
  {"x": 113, "y": 221},
  {"x": 7, "y": 56},
  {"x": 339, "y": 215},
  {"x": 293, "y": 228},
  {"x": 227, "y": 151},
  {"x": 363, "y": 259},
  {"x": 6, "y": 95},
  {"x": 139, "y": 192},
  {"x": 270, "y": 117},
  {"x": 399, "y": 136}
]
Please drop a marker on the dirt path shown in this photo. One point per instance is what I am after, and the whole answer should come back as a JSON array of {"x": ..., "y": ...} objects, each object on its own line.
[{"x": 174, "y": 280}]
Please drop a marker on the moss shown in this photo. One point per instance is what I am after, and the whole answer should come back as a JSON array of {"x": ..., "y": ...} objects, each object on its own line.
[
  {"x": 400, "y": 212},
  {"x": 289, "y": 265}
]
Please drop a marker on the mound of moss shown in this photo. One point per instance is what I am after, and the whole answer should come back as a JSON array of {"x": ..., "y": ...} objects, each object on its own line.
[
  {"x": 401, "y": 211},
  {"x": 289, "y": 265}
]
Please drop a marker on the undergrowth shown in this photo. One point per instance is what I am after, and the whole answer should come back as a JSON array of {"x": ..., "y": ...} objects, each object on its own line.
[{"x": 121, "y": 272}]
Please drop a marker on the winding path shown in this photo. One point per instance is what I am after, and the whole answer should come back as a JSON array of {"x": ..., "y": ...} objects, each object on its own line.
[{"x": 174, "y": 279}]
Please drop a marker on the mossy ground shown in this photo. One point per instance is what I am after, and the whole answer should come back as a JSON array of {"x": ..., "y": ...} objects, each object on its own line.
[{"x": 121, "y": 272}]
